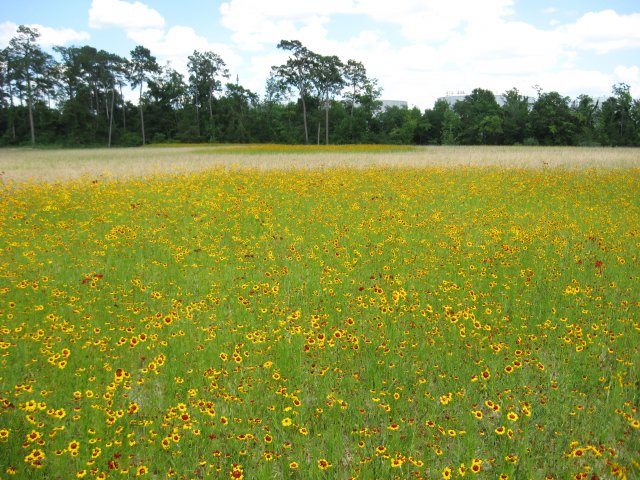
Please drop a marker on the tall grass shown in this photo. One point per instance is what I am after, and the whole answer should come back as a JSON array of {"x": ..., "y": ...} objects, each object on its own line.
[
  {"x": 380, "y": 322},
  {"x": 24, "y": 165}
]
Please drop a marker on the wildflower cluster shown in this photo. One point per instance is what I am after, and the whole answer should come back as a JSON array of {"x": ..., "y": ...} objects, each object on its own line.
[{"x": 370, "y": 323}]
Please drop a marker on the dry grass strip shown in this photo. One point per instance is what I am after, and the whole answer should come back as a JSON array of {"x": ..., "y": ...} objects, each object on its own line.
[{"x": 34, "y": 165}]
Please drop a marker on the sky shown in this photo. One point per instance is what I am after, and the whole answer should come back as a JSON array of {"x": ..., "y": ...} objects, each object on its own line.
[{"x": 418, "y": 50}]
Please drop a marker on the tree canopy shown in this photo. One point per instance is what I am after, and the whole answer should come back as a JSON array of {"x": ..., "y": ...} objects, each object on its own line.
[{"x": 76, "y": 96}]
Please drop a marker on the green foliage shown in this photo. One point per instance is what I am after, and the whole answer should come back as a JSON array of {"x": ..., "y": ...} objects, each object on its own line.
[
  {"x": 311, "y": 98},
  {"x": 619, "y": 120},
  {"x": 480, "y": 119},
  {"x": 451, "y": 127},
  {"x": 552, "y": 121},
  {"x": 29, "y": 71},
  {"x": 515, "y": 118}
]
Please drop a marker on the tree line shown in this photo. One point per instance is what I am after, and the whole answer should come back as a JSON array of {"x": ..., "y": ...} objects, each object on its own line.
[{"x": 77, "y": 98}]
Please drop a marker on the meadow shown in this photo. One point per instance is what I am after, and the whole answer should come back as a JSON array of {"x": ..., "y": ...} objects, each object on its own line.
[{"x": 354, "y": 312}]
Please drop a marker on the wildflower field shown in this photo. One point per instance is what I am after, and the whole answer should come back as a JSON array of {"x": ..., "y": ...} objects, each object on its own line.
[{"x": 322, "y": 323}]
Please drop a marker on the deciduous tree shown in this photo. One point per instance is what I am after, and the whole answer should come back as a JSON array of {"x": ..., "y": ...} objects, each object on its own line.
[
  {"x": 618, "y": 126},
  {"x": 515, "y": 117},
  {"x": 30, "y": 69},
  {"x": 206, "y": 71},
  {"x": 297, "y": 74},
  {"x": 586, "y": 113},
  {"x": 141, "y": 65},
  {"x": 552, "y": 122},
  {"x": 328, "y": 82},
  {"x": 360, "y": 91},
  {"x": 481, "y": 122}
]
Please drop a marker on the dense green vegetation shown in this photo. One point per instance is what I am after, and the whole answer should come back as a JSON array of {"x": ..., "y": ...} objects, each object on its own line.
[
  {"x": 378, "y": 323},
  {"x": 77, "y": 98}
]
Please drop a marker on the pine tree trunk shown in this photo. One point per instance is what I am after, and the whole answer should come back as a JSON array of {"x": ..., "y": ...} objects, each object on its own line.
[
  {"x": 12, "y": 114},
  {"x": 30, "y": 104},
  {"x": 304, "y": 117},
  {"x": 210, "y": 105},
  {"x": 197, "y": 116},
  {"x": 111, "y": 116},
  {"x": 211, "y": 123},
  {"x": 124, "y": 110},
  {"x": 141, "y": 116},
  {"x": 326, "y": 122}
]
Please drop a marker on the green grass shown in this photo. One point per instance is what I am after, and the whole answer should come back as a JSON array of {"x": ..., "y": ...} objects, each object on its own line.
[{"x": 244, "y": 322}]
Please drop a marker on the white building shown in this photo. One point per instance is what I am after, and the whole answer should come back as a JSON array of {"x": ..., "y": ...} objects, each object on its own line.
[{"x": 394, "y": 103}]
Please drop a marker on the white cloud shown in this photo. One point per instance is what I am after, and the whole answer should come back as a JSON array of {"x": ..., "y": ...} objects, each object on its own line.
[
  {"x": 628, "y": 74},
  {"x": 145, "y": 26},
  {"x": 7, "y": 32},
  {"x": 287, "y": 9},
  {"x": 178, "y": 43},
  {"x": 504, "y": 47},
  {"x": 48, "y": 36},
  {"x": 126, "y": 15},
  {"x": 259, "y": 24},
  {"x": 440, "y": 38},
  {"x": 256, "y": 24},
  {"x": 574, "y": 82},
  {"x": 62, "y": 36},
  {"x": 603, "y": 32},
  {"x": 433, "y": 20},
  {"x": 417, "y": 49},
  {"x": 146, "y": 36}
]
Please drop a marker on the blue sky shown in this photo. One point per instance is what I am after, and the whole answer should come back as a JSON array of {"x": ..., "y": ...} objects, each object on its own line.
[{"x": 417, "y": 49}]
